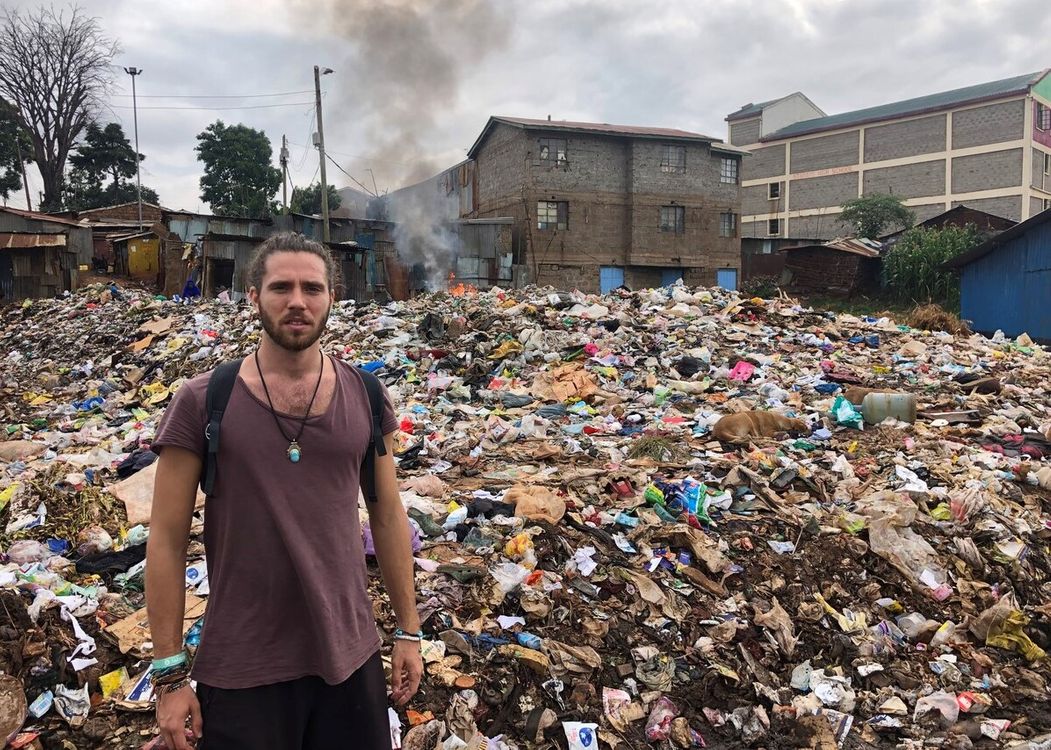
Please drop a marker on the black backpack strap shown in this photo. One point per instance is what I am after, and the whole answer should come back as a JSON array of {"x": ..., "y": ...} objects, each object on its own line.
[
  {"x": 376, "y": 445},
  {"x": 220, "y": 386}
]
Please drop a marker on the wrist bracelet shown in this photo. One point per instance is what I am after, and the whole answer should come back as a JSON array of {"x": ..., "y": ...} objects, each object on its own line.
[
  {"x": 170, "y": 661},
  {"x": 172, "y": 687},
  {"x": 171, "y": 676},
  {"x": 401, "y": 635},
  {"x": 160, "y": 674}
]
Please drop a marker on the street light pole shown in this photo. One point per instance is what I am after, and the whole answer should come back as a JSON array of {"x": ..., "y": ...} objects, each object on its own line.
[
  {"x": 138, "y": 160},
  {"x": 318, "y": 72}
]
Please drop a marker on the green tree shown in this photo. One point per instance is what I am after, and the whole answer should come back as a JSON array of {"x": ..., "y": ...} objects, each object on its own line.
[
  {"x": 239, "y": 178},
  {"x": 13, "y": 138},
  {"x": 80, "y": 193},
  {"x": 308, "y": 200},
  {"x": 105, "y": 154},
  {"x": 912, "y": 270},
  {"x": 872, "y": 215},
  {"x": 55, "y": 68}
]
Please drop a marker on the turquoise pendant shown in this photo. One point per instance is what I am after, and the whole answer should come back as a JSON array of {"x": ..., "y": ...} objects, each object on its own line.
[{"x": 294, "y": 453}]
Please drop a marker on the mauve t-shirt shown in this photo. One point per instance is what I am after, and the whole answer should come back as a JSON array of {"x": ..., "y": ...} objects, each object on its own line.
[{"x": 286, "y": 566}]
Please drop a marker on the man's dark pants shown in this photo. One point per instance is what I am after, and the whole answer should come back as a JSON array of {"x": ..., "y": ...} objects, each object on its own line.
[{"x": 303, "y": 714}]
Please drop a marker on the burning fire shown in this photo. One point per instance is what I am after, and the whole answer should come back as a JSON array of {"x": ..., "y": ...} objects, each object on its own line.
[{"x": 460, "y": 289}]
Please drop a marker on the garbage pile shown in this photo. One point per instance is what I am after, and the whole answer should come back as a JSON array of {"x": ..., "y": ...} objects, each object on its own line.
[{"x": 667, "y": 518}]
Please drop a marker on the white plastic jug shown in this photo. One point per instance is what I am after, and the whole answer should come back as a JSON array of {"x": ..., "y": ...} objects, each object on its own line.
[{"x": 878, "y": 406}]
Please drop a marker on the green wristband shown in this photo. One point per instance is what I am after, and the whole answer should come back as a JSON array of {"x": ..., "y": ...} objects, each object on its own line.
[{"x": 170, "y": 661}]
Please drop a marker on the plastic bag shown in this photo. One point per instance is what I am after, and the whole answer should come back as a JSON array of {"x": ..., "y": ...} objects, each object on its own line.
[
  {"x": 28, "y": 551},
  {"x": 581, "y": 736},
  {"x": 94, "y": 539},
  {"x": 1001, "y": 626},
  {"x": 942, "y": 702},
  {"x": 509, "y": 576},
  {"x": 536, "y": 503},
  {"x": 658, "y": 725},
  {"x": 844, "y": 413}
]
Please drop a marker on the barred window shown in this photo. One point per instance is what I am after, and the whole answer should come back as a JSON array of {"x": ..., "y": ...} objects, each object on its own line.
[
  {"x": 673, "y": 159},
  {"x": 552, "y": 150},
  {"x": 1043, "y": 117},
  {"x": 728, "y": 225},
  {"x": 728, "y": 171},
  {"x": 552, "y": 215},
  {"x": 673, "y": 219}
]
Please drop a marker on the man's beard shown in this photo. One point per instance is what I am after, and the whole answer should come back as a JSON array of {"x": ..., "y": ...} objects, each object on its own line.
[{"x": 290, "y": 341}]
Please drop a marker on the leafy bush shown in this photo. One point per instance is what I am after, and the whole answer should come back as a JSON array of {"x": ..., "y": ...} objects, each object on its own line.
[{"x": 912, "y": 270}]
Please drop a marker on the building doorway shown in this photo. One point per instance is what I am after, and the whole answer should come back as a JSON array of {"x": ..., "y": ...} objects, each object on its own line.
[
  {"x": 727, "y": 279},
  {"x": 610, "y": 278}
]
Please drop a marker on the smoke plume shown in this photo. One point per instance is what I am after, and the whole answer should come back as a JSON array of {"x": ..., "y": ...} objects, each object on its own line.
[
  {"x": 407, "y": 65},
  {"x": 408, "y": 61}
]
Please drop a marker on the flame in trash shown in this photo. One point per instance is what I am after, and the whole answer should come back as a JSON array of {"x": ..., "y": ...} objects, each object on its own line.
[{"x": 459, "y": 290}]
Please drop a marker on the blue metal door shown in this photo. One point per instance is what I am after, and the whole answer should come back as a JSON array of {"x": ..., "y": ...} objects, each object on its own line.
[
  {"x": 670, "y": 275},
  {"x": 609, "y": 278},
  {"x": 726, "y": 278},
  {"x": 1036, "y": 314}
]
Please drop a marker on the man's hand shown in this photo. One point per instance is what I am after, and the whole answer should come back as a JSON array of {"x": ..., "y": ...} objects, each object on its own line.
[
  {"x": 173, "y": 709},
  {"x": 406, "y": 670}
]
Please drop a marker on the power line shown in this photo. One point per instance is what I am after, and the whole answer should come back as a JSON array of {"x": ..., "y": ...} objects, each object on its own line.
[
  {"x": 358, "y": 157},
  {"x": 251, "y": 106},
  {"x": 310, "y": 134},
  {"x": 215, "y": 96},
  {"x": 348, "y": 174}
]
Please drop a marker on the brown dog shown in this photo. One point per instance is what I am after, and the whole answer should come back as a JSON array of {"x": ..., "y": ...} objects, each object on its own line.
[{"x": 738, "y": 428}]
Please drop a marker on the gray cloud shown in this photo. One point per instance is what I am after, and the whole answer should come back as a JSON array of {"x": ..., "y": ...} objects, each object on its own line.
[{"x": 413, "y": 86}]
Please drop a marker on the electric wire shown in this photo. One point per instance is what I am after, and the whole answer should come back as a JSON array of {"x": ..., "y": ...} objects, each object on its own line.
[
  {"x": 216, "y": 109},
  {"x": 215, "y": 96}
]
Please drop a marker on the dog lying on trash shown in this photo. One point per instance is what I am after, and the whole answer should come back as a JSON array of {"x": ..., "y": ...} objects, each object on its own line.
[{"x": 739, "y": 428}]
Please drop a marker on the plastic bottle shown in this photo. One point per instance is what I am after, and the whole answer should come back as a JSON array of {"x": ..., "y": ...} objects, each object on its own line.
[{"x": 878, "y": 406}]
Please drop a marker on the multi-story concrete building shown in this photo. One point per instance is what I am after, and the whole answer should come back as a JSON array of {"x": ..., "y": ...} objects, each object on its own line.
[
  {"x": 986, "y": 146},
  {"x": 598, "y": 205},
  {"x": 594, "y": 206}
]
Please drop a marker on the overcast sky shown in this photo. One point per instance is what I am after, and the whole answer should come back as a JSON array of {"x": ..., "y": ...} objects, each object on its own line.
[{"x": 415, "y": 81}]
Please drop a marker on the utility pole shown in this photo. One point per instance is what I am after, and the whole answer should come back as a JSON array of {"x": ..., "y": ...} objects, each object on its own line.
[
  {"x": 22, "y": 166},
  {"x": 284, "y": 172},
  {"x": 138, "y": 159},
  {"x": 320, "y": 143}
]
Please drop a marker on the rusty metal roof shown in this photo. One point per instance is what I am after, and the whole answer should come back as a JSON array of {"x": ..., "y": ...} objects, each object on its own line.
[
  {"x": 22, "y": 240},
  {"x": 41, "y": 217},
  {"x": 595, "y": 128},
  {"x": 855, "y": 245}
]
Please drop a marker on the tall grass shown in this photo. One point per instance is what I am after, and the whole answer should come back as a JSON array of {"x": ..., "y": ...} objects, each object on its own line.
[{"x": 912, "y": 270}]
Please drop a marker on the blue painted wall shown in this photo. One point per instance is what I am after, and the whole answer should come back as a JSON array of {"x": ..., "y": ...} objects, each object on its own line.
[{"x": 1010, "y": 288}]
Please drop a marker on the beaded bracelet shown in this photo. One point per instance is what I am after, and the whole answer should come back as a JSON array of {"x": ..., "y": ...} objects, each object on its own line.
[{"x": 401, "y": 635}]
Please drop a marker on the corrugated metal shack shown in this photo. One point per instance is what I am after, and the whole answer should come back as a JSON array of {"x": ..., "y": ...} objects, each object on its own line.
[
  {"x": 31, "y": 265},
  {"x": 1005, "y": 283},
  {"x": 40, "y": 254},
  {"x": 110, "y": 223},
  {"x": 363, "y": 249},
  {"x": 485, "y": 252}
]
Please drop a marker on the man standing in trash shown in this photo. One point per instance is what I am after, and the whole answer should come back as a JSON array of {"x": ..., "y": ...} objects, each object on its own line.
[{"x": 289, "y": 653}]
